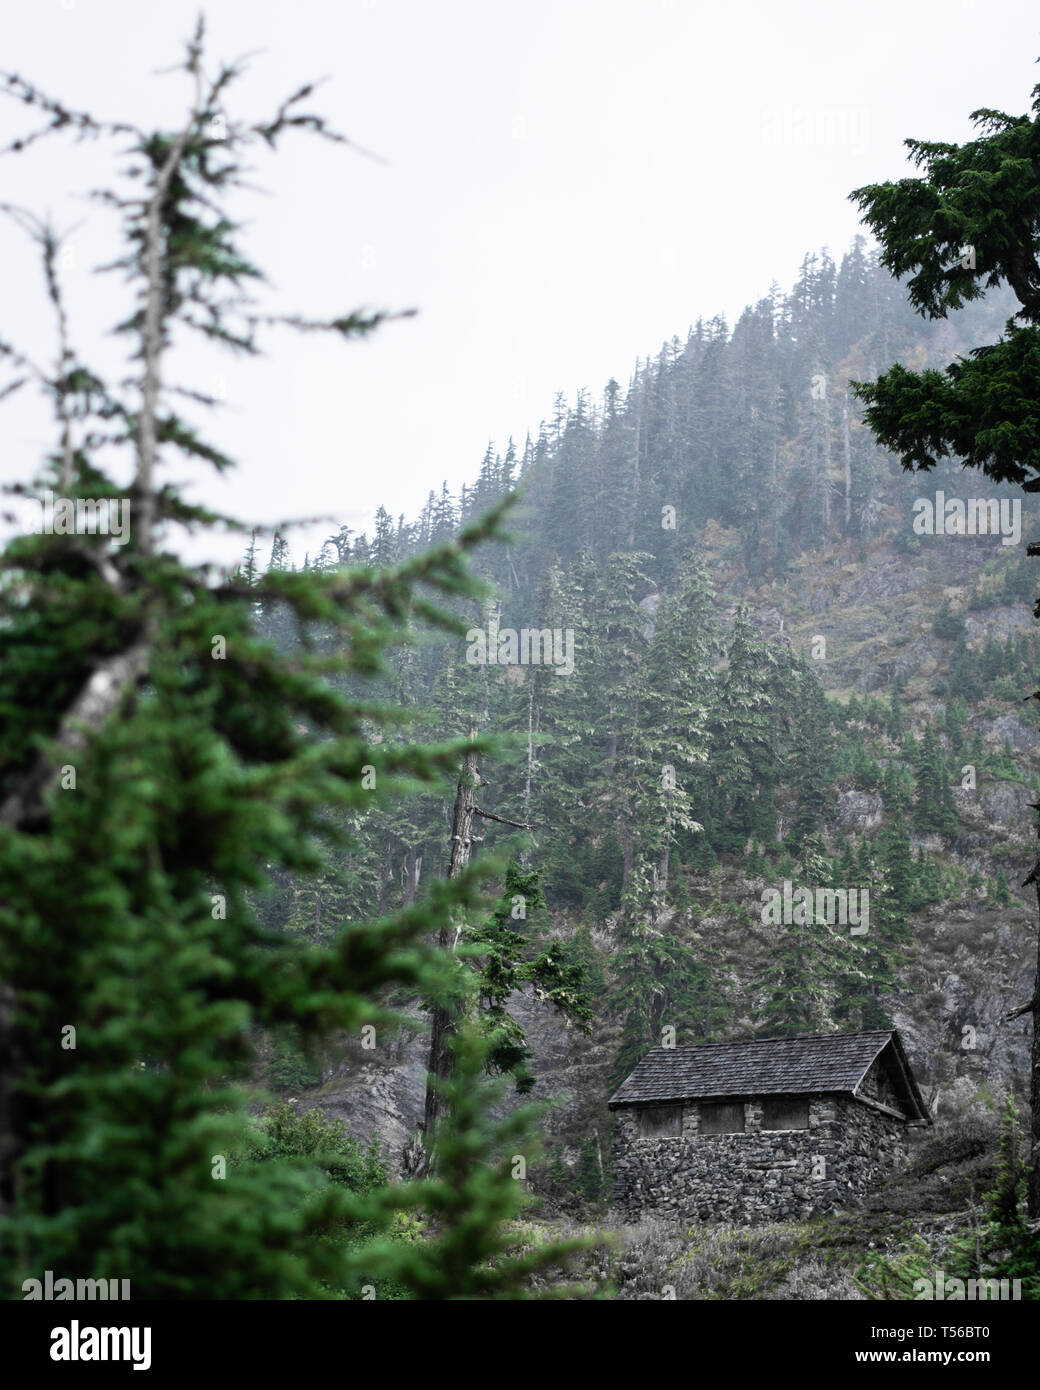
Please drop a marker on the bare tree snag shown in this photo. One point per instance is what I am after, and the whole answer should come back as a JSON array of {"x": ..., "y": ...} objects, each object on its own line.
[{"x": 444, "y": 1022}]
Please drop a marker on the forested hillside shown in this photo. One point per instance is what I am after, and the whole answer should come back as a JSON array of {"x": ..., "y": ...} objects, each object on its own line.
[{"x": 762, "y": 673}]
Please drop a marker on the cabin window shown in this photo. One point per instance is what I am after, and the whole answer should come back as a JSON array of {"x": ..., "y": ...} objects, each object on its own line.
[
  {"x": 785, "y": 1114},
  {"x": 660, "y": 1121},
  {"x": 723, "y": 1118}
]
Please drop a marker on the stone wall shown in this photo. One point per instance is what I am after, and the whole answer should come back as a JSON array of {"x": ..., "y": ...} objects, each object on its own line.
[{"x": 760, "y": 1175}]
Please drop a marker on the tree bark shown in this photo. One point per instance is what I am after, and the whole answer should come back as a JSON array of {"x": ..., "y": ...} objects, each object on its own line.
[
  {"x": 387, "y": 874},
  {"x": 661, "y": 884},
  {"x": 412, "y": 873},
  {"x": 628, "y": 855},
  {"x": 611, "y": 759},
  {"x": 444, "y": 1022}
]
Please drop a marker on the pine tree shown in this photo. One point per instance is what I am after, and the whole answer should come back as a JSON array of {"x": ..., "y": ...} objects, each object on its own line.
[
  {"x": 677, "y": 692},
  {"x": 1002, "y": 889},
  {"x": 964, "y": 673},
  {"x": 928, "y": 882},
  {"x": 810, "y": 762},
  {"x": 798, "y": 986},
  {"x": 897, "y": 789},
  {"x": 934, "y": 806},
  {"x": 955, "y": 718},
  {"x": 743, "y": 741},
  {"x": 898, "y": 891},
  {"x": 154, "y": 774}
]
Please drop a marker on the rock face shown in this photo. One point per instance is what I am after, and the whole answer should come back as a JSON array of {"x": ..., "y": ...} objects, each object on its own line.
[
  {"x": 1008, "y": 805},
  {"x": 1002, "y": 622},
  {"x": 859, "y": 811},
  {"x": 1021, "y": 736},
  {"x": 379, "y": 1091},
  {"x": 760, "y": 1175}
]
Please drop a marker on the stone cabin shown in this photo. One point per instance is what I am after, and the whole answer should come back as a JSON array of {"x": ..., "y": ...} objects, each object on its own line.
[{"x": 762, "y": 1130}]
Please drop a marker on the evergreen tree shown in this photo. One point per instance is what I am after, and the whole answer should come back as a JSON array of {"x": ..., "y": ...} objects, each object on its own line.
[
  {"x": 934, "y": 806},
  {"x": 897, "y": 788},
  {"x": 798, "y": 987},
  {"x": 677, "y": 692},
  {"x": 154, "y": 773},
  {"x": 948, "y": 625},
  {"x": 479, "y": 1189},
  {"x": 1002, "y": 889},
  {"x": 897, "y": 895},
  {"x": 810, "y": 763},
  {"x": 743, "y": 741},
  {"x": 964, "y": 672}
]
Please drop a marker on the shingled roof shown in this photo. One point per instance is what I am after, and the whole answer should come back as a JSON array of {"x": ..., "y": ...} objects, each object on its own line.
[{"x": 823, "y": 1062}]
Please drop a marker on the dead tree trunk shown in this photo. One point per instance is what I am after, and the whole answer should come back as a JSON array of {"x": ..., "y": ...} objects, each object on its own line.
[
  {"x": 412, "y": 874},
  {"x": 444, "y": 1022},
  {"x": 662, "y": 870},
  {"x": 387, "y": 873}
]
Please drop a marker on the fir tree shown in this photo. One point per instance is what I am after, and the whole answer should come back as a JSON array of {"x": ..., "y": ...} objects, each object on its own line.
[
  {"x": 156, "y": 776},
  {"x": 743, "y": 741},
  {"x": 934, "y": 806}
]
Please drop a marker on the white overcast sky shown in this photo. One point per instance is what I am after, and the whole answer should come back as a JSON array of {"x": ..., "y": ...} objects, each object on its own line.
[{"x": 568, "y": 183}]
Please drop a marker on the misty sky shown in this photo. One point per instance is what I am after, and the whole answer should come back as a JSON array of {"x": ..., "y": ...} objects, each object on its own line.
[{"x": 568, "y": 183}]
